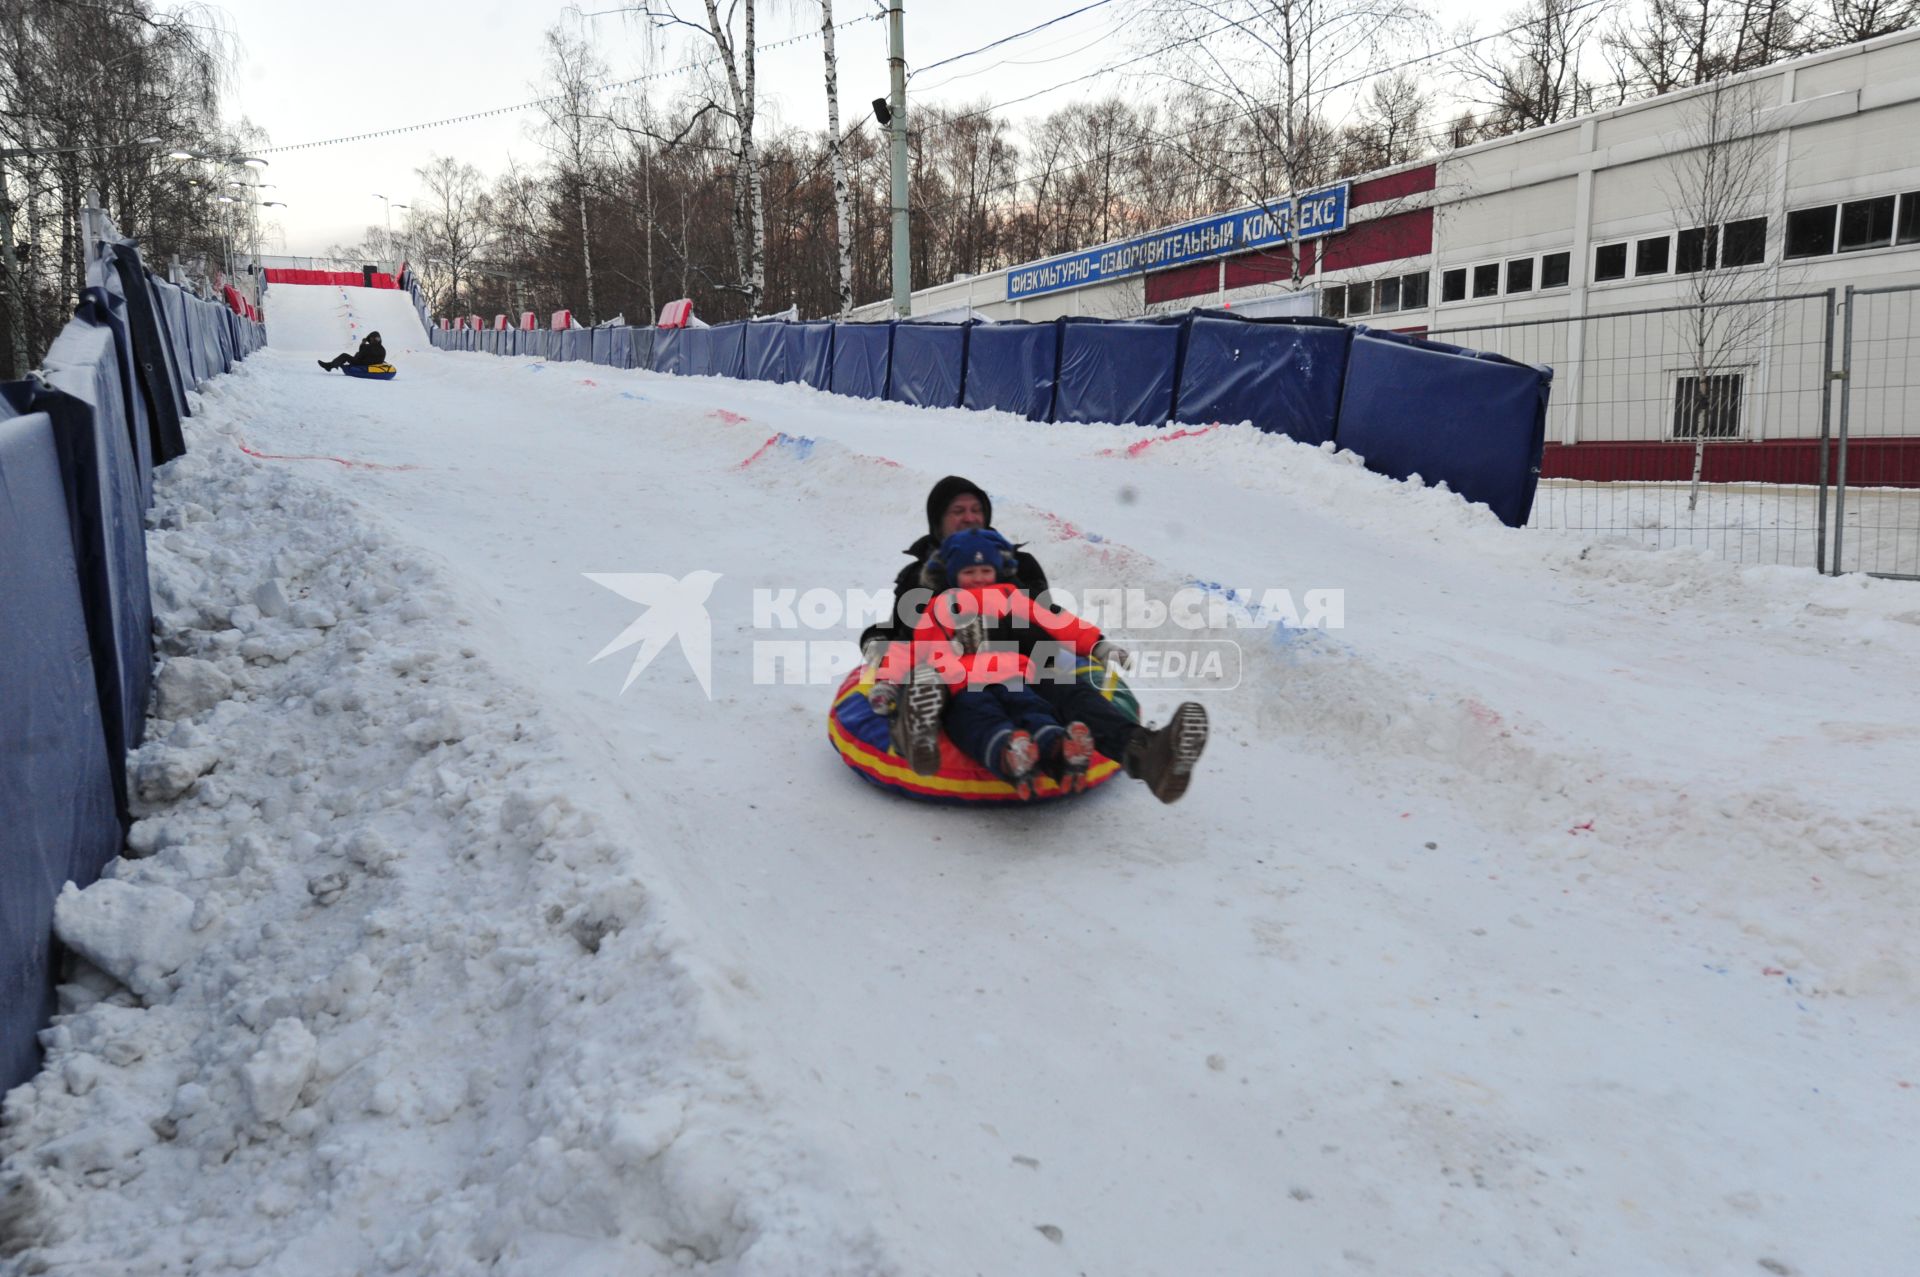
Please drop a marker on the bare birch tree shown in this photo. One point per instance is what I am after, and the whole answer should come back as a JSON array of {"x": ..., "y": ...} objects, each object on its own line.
[{"x": 837, "y": 160}]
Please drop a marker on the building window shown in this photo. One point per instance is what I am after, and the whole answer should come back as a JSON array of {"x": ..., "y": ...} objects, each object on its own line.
[
  {"x": 1744, "y": 243},
  {"x": 1693, "y": 250},
  {"x": 1359, "y": 299},
  {"x": 1333, "y": 302},
  {"x": 1413, "y": 291},
  {"x": 1707, "y": 407},
  {"x": 1650, "y": 256},
  {"x": 1610, "y": 262},
  {"x": 1386, "y": 295},
  {"x": 1486, "y": 280},
  {"x": 1810, "y": 231},
  {"x": 1554, "y": 268},
  {"x": 1520, "y": 275},
  {"x": 1453, "y": 284},
  {"x": 1906, "y": 230},
  {"x": 1866, "y": 224}
]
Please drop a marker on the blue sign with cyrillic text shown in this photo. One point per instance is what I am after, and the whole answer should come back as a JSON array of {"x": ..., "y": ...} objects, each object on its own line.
[{"x": 1321, "y": 213}]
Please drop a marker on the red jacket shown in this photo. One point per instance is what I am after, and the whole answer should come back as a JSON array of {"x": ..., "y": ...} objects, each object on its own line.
[{"x": 1002, "y": 608}]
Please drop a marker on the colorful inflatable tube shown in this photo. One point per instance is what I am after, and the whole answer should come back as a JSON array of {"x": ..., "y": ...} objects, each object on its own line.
[
  {"x": 864, "y": 741},
  {"x": 372, "y": 372}
]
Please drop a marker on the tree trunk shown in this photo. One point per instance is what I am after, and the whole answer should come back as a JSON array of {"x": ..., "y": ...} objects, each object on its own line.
[
  {"x": 586, "y": 253},
  {"x": 839, "y": 162},
  {"x": 740, "y": 84}
]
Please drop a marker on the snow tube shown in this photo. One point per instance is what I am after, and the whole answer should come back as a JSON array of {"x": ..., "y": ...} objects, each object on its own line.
[
  {"x": 372, "y": 372},
  {"x": 864, "y": 741}
]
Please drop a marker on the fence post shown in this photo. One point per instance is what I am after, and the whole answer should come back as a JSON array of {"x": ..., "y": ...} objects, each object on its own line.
[
  {"x": 1827, "y": 377},
  {"x": 1840, "y": 467}
]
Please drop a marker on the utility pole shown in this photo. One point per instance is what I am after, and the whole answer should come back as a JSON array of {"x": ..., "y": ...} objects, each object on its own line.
[{"x": 897, "y": 65}]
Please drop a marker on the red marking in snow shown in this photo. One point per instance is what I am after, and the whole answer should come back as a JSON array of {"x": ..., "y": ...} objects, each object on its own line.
[
  {"x": 731, "y": 418},
  {"x": 588, "y": 381},
  {"x": 881, "y": 461},
  {"x": 1905, "y": 1086},
  {"x": 1135, "y": 449},
  {"x": 1771, "y": 971},
  {"x": 1484, "y": 716},
  {"x": 1406, "y": 815},
  {"x": 1061, "y": 528},
  {"x": 1586, "y": 825},
  {"x": 761, "y": 451},
  {"x": 339, "y": 461}
]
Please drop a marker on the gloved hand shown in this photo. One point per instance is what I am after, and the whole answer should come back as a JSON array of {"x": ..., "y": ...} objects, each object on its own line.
[
  {"x": 1111, "y": 654},
  {"x": 883, "y": 697}
]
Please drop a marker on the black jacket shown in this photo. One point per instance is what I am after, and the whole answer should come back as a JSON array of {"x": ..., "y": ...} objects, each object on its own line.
[{"x": 371, "y": 352}]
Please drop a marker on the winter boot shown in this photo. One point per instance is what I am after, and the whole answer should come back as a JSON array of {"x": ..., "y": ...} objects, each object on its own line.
[
  {"x": 324, "y": 365},
  {"x": 1164, "y": 757},
  {"x": 1017, "y": 761},
  {"x": 1076, "y": 753},
  {"x": 919, "y": 720}
]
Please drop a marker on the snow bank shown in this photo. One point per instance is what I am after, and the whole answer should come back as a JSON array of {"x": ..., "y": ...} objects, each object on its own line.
[{"x": 371, "y": 993}]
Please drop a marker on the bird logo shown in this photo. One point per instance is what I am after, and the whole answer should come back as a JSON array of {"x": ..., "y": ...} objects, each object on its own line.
[{"x": 675, "y": 609}]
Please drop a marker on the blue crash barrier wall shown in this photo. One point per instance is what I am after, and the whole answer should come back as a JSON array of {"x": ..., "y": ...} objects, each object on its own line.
[
  {"x": 78, "y": 447},
  {"x": 1123, "y": 370},
  {"x": 1283, "y": 375},
  {"x": 810, "y": 354},
  {"x": 769, "y": 352},
  {"x": 929, "y": 364},
  {"x": 862, "y": 355},
  {"x": 1407, "y": 406},
  {"x": 670, "y": 351},
  {"x": 603, "y": 346},
  {"x": 1011, "y": 367},
  {"x": 56, "y": 789},
  {"x": 577, "y": 345},
  {"x": 1476, "y": 420}
]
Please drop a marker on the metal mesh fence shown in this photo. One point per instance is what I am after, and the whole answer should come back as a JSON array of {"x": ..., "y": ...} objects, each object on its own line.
[
  {"x": 1685, "y": 425},
  {"x": 1877, "y": 468}
]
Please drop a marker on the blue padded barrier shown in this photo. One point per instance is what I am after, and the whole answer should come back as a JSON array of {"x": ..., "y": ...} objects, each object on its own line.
[
  {"x": 1475, "y": 420},
  {"x": 1011, "y": 367},
  {"x": 578, "y": 344},
  {"x": 700, "y": 343},
  {"x": 643, "y": 346},
  {"x": 670, "y": 350},
  {"x": 1283, "y": 375},
  {"x": 603, "y": 346},
  {"x": 620, "y": 347},
  {"x": 55, "y": 790},
  {"x": 158, "y": 379},
  {"x": 929, "y": 364},
  {"x": 862, "y": 356},
  {"x": 768, "y": 351},
  {"x": 105, "y": 309},
  {"x": 810, "y": 354},
  {"x": 101, "y": 474},
  {"x": 729, "y": 349},
  {"x": 173, "y": 304},
  {"x": 1121, "y": 370}
]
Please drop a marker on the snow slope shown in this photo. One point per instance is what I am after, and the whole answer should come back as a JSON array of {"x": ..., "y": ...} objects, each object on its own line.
[
  {"x": 1552, "y": 916},
  {"x": 326, "y": 319}
]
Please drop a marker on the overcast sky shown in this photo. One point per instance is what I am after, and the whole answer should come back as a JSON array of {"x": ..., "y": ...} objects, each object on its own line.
[{"x": 306, "y": 78}]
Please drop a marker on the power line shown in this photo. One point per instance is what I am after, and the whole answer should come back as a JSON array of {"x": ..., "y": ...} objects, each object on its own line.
[
  {"x": 1233, "y": 116},
  {"x": 518, "y": 107},
  {"x": 1008, "y": 39}
]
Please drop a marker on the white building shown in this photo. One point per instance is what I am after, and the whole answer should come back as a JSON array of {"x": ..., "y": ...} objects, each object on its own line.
[{"x": 1815, "y": 185}]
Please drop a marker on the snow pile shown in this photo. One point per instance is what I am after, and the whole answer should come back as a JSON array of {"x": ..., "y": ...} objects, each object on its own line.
[{"x": 372, "y": 993}]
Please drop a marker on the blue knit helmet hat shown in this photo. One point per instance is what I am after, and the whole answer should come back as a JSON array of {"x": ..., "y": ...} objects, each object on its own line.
[{"x": 971, "y": 547}]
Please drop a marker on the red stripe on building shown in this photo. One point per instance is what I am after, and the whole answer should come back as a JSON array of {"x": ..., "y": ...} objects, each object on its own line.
[
  {"x": 1393, "y": 186},
  {"x": 1268, "y": 266},
  {"x": 1183, "y": 281},
  {"x": 1384, "y": 239},
  {"x": 1871, "y": 463}
]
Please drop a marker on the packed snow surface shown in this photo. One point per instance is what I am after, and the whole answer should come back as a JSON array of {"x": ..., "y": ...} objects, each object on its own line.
[
  {"x": 1554, "y": 915},
  {"x": 325, "y": 320}
]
